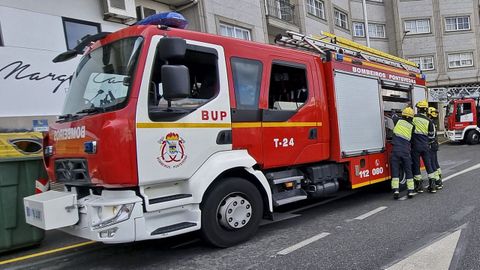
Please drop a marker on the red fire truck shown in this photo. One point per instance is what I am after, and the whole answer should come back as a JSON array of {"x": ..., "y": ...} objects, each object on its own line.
[
  {"x": 167, "y": 131},
  {"x": 461, "y": 121}
]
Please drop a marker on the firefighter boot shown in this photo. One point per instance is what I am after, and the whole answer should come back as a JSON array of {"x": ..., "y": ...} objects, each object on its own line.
[
  {"x": 439, "y": 182},
  {"x": 419, "y": 186},
  {"x": 396, "y": 193},
  {"x": 431, "y": 186},
  {"x": 410, "y": 194}
]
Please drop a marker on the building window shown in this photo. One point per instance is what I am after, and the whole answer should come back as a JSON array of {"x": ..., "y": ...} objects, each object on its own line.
[
  {"x": 421, "y": 26},
  {"x": 424, "y": 62},
  {"x": 341, "y": 19},
  {"x": 458, "y": 60},
  {"x": 457, "y": 23},
  {"x": 358, "y": 29},
  {"x": 235, "y": 31},
  {"x": 75, "y": 30},
  {"x": 375, "y": 30},
  {"x": 316, "y": 8}
]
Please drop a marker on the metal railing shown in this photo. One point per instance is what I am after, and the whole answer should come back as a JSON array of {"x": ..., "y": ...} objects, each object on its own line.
[{"x": 282, "y": 9}]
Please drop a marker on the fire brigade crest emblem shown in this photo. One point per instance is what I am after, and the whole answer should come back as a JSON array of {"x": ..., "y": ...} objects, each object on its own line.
[{"x": 172, "y": 151}]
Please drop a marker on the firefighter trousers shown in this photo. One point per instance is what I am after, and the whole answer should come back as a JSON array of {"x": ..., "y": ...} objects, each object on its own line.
[
  {"x": 425, "y": 154},
  {"x": 435, "y": 164},
  {"x": 401, "y": 161},
  {"x": 434, "y": 160}
]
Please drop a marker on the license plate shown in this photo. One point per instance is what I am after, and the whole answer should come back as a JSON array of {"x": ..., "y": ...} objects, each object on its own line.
[{"x": 34, "y": 213}]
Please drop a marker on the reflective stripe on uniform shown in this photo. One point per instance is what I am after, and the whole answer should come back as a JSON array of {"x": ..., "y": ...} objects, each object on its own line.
[
  {"x": 395, "y": 183},
  {"x": 421, "y": 125},
  {"x": 433, "y": 176},
  {"x": 410, "y": 184},
  {"x": 403, "y": 129},
  {"x": 417, "y": 178}
]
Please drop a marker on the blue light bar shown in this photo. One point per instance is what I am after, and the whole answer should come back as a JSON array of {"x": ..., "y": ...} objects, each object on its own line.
[{"x": 170, "y": 19}]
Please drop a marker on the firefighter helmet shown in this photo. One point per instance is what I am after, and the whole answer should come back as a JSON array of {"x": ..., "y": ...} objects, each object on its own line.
[
  {"x": 422, "y": 104},
  {"x": 408, "y": 112},
  {"x": 432, "y": 112}
]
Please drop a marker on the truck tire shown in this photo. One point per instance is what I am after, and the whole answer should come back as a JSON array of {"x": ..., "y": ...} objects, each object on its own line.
[
  {"x": 231, "y": 212},
  {"x": 472, "y": 137}
]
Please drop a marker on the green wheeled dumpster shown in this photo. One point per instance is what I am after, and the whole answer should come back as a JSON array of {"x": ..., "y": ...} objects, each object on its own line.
[{"x": 21, "y": 164}]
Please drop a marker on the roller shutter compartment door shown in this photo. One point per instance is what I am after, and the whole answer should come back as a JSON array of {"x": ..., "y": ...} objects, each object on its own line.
[{"x": 360, "y": 116}]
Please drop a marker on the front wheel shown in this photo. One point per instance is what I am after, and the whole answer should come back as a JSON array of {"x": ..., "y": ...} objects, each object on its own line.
[
  {"x": 231, "y": 212},
  {"x": 472, "y": 137}
]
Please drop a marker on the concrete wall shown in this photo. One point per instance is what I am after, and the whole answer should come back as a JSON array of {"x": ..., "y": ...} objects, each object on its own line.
[
  {"x": 376, "y": 13},
  {"x": 440, "y": 43},
  {"x": 243, "y": 13}
]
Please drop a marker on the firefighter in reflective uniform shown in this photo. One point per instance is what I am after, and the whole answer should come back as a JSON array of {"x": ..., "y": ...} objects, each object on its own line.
[
  {"x": 401, "y": 156},
  {"x": 432, "y": 113},
  {"x": 424, "y": 128}
]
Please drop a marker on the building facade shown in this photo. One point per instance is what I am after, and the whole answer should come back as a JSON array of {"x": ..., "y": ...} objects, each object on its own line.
[{"x": 442, "y": 36}]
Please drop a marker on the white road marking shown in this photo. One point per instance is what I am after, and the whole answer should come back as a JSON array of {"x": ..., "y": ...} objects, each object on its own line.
[
  {"x": 437, "y": 256},
  {"x": 373, "y": 212},
  {"x": 303, "y": 243},
  {"x": 402, "y": 198},
  {"x": 474, "y": 167}
]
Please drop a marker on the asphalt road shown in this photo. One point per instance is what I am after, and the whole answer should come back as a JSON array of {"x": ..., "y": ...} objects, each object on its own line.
[{"x": 363, "y": 229}]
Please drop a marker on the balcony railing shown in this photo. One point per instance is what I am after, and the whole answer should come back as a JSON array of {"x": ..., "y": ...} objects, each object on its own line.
[{"x": 283, "y": 10}]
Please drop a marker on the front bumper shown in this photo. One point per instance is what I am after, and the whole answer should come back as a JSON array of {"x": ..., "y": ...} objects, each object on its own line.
[
  {"x": 90, "y": 214},
  {"x": 453, "y": 135},
  {"x": 95, "y": 216}
]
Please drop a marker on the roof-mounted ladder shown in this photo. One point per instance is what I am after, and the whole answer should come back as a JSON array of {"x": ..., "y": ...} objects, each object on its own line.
[
  {"x": 456, "y": 92},
  {"x": 329, "y": 42}
]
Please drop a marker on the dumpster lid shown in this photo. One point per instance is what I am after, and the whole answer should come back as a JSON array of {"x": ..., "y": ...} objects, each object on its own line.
[{"x": 20, "y": 145}]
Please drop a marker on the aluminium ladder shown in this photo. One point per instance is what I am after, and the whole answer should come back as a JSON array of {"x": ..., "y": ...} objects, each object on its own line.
[{"x": 330, "y": 42}]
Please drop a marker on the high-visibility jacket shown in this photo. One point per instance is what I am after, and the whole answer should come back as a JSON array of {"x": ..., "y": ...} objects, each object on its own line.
[
  {"x": 402, "y": 136},
  {"x": 424, "y": 129}
]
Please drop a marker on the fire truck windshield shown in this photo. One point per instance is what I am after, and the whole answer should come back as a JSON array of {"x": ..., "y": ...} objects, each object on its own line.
[
  {"x": 449, "y": 108},
  {"x": 103, "y": 78}
]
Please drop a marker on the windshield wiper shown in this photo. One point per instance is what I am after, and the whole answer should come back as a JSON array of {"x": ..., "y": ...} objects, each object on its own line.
[
  {"x": 67, "y": 117},
  {"x": 91, "y": 110}
]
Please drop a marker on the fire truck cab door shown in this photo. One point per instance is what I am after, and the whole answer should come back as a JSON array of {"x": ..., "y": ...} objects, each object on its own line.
[
  {"x": 289, "y": 123},
  {"x": 174, "y": 140}
]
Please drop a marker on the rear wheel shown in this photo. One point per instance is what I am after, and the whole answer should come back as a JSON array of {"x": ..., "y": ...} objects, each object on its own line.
[
  {"x": 231, "y": 212},
  {"x": 472, "y": 137}
]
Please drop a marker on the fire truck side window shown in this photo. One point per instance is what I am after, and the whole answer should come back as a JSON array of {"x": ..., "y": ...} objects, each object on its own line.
[
  {"x": 288, "y": 87},
  {"x": 463, "y": 109},
  {"x": 247, "y": 76},
  {"x": 202, "y": 66}
]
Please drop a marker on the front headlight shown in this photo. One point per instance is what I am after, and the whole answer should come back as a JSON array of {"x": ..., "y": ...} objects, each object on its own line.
[{"x": 114, "y": 215}]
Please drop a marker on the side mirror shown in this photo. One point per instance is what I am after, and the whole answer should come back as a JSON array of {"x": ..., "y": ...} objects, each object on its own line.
[
  {"x": 171, "y": 48},
  {"x": 176, "y": 82}
]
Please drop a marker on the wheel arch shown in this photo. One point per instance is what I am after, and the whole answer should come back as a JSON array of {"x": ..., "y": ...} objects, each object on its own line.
[
  {"x": 236, "y": 163},
  {"x": 247, "y": 174},
  {"x": 467, "y": 129}
]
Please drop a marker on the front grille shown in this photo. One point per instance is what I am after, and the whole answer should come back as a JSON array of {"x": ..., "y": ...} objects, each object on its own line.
[{"x": 71, "y": 170}]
